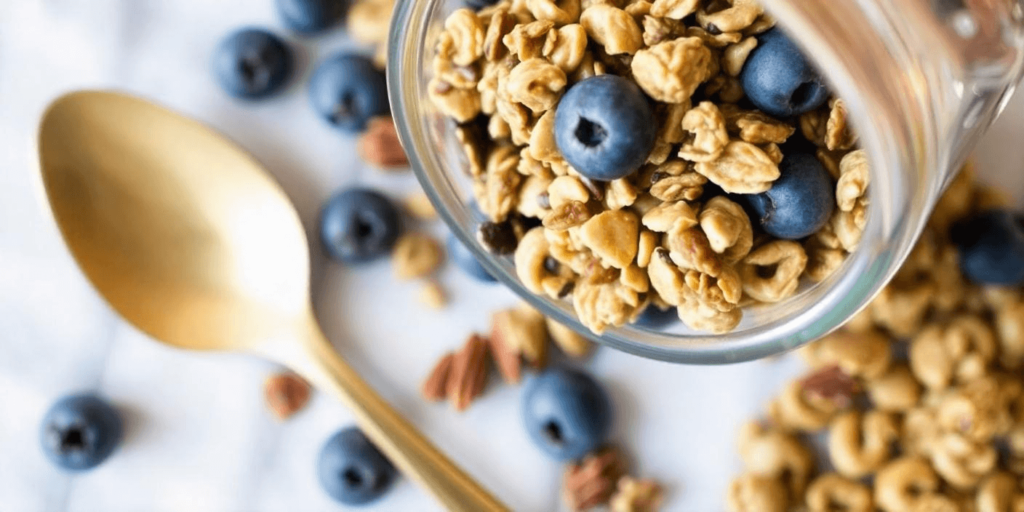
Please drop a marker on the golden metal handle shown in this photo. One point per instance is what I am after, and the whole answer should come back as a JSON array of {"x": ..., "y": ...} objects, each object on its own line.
[{"x": 402, "y": 443}]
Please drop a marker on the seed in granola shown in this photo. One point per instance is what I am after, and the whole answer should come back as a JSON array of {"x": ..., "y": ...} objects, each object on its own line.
[
  {"x": 604, "y": 127},
  {"x": 799, "y": 203},
  {"x": 498, "y": 237}
]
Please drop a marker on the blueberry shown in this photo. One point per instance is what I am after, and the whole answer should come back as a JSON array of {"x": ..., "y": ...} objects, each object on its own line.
[
  {"x": 80, "y": 431},
  {"x": 480, "y": 4},
  {"x": 352, "y": 470},
  {"x": 311, "y": 16},
  {"x": 656, "y": 318},
  {"x": 567, "y": 413},
  {"x": 991, "y": 247},
  {"x": 252, "y": 63},
  {"x": 467, "y": 261},
  {"x": 799, "y": 203},
  {"x": 358, "y": 224},
  {"x": 347, "y": 90},
  {"x": 605, "y": 127},
  {"x": 779, "y": 80}
]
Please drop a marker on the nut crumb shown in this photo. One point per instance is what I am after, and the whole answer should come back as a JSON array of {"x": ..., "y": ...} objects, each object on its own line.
[
  {"x": 635, "y": 495},
  {"x": 379, "y": 145},
  {"x": 285, "y": 394},
  {"x": 433, "y": 295},
  {"x": 591, "y": 482},
  {"x": 416, "y": 255},
  {"x": 418, "y": 205}
]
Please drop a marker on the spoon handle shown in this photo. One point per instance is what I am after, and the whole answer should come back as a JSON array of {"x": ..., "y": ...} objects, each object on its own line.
[{"x": 401, "y": 442}]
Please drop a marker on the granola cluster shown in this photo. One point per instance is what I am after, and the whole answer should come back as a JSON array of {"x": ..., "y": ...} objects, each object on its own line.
[
  {"x": 671, "y": 234},
  {"x": 917, "y": 405}
]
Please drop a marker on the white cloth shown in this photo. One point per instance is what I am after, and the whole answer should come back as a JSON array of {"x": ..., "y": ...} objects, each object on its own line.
[{"x": 199, "y": 437}]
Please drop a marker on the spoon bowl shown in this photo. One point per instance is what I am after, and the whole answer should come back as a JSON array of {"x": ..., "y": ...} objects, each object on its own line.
[
  {"x": 188, "y": 238},
  {"x": 174, "y": 229}
]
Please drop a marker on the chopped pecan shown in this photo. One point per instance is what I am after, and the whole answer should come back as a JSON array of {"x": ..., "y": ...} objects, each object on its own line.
[
  {"x": 468, "y": 376},
  {"x": 592, "y": 481}
]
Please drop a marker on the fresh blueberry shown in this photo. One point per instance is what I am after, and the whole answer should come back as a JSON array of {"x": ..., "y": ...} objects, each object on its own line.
[
  {"x": 347, "y": 90},
  {"x": 352, "y": 470},
  {"x": 467, "y": 261},
  {"x": 567, "y": 413},
  {"x": 605, "y": 127},
  {"x": 779, "y": 80},
  {"x": 799, "y": 203},
  {"x": 80, "y": 431},
  {"x": 252, "y": 63},
  {"x": 311, "y": 16},
  {"x": 991, "y": 247},
  {"x": 358, "y": 224},
  {"x": 480, "y": 4},
  {"x": 654, "y": 317}
]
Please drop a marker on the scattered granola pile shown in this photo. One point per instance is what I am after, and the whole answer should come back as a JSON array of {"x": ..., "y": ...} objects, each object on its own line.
[
  {"x": 520, "y": 339},
  {"x": 687, "y": 228},
  {"x": 917, "y": 405}
]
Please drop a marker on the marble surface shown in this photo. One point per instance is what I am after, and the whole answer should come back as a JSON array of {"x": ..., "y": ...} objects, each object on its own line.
[{"x": 198, "y": 435}]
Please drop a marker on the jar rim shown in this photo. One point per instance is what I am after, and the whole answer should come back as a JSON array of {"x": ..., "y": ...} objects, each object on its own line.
[{"x": 837, "y": 299}]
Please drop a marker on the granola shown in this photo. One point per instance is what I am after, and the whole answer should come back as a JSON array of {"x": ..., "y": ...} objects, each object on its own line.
[
  {"x": 931, "y": 415},
  {"x": 500, "y": 74}
]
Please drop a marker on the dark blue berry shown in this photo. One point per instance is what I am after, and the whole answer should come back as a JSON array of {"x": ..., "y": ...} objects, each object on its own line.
[
  {"x": 480, "y": 4},
  {"x": 778, "y": 78},
  {"x": 351, "y": 469},
  {"x": 566, "y": 413},
  {"x": 991, "y": 247},
  {"x": 252, "y": 63},
  {"x": 311, "y": 16},
  {"x": 347, "y": 91},
  {"x": 799, "y": 203},
  {"x": 467, "y": 261},
  {"x": 605, "y": 127},
  {"x": 656, "y": 318},
  {"x": 80, "y": 431},
  {"x": 359, "y": 224}
]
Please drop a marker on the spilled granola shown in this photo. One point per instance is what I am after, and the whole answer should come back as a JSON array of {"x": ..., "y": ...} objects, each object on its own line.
[{"x": 916, "y": 405}]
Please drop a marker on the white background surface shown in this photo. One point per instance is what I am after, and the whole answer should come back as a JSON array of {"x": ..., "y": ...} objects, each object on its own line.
[{"x": 198, "y": 436}]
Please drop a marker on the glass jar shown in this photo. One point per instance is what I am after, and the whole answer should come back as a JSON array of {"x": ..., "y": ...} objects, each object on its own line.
[{"x": 922, "y": 79}]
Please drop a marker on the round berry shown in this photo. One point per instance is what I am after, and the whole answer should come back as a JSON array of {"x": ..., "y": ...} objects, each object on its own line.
[
  {"x": 779, "y": 80},
  {"x": 311, "y": 16},
  {"x": 476, "y": 5},
  {"x": 605, "y": 127},
  {"x": 566, "y": 413},
  {"x": 80, "y": 431},
  {"x": 252, "y": 63},
  {"x": 352, "y": 470},
  {"x": 991, "y": 247},
  {"x": 359, "y": 224},
  {"x": 347, "y": 91},
  {"x": 656, "y": 318},
  {"x": 467, "y": 261},
  {"x": 799, "y": 203}
]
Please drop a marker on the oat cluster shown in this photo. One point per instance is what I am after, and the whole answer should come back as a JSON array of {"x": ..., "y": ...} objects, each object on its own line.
[
  {"x": 917, "y": 405},
  {"x": 664, "y": 235}
]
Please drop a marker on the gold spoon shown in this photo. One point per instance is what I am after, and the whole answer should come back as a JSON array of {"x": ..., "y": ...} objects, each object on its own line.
[{"x": 187, "y": 237}]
